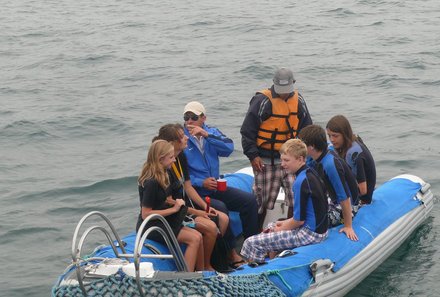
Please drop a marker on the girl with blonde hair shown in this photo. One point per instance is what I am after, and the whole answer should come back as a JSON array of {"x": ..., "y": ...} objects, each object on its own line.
[
  {"x": 182, "y": 188},
  {"x": 155, "y": 193}
]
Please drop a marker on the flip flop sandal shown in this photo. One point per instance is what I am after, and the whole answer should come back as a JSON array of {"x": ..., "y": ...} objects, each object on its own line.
[
  {"x": 254, "y": 264},
  {"x": 226, "y": 271},
  {"x": 286, "y": 253}
]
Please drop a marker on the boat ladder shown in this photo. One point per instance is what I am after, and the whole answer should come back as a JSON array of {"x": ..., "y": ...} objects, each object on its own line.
[{"x": 167, "y": 234}]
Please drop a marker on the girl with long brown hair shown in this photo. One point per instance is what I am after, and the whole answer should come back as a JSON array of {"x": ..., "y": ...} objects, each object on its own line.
[
  {"x": 182, "y": 188},
  {"x": 352, "y": 149}
]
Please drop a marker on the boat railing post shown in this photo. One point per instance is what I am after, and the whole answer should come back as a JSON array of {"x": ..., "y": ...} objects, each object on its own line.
[
  {"x": 106, "y": 233},
  {"x": 76, "y": 249},
  {"x": 81, "y": 222},
  {"x": 167, "y": 234},
  {"x": 169, "y": 237},
  {"x": 180, "y": 264},
  {"x": 170, "y": 240}
]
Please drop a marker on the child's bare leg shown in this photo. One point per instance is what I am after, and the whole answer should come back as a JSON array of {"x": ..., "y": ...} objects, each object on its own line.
[
  {"x": 209, "y": 231},
  {"x": 192, "y": 239}
]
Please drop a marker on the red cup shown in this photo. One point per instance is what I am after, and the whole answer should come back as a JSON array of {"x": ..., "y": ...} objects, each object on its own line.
[
  {"x": 208, "y": 203},
  {"x": 221, "y": 185}
]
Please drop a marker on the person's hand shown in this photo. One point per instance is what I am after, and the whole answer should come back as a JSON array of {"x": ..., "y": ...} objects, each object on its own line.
[
  {"x": 213, "y": 212},
  {"x": 201, "y": 213},
  {"x": 210, "y": 183},
  {"x": 179, "y": 203},
  {"x": 349, "y": 232},
  {"x": 196, "y": 131},
  {"x": 257, "y": 164},
  {"x": 170, "y": 201}
]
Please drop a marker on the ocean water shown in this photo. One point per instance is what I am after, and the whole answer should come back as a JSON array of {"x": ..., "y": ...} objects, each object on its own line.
[{"x": 85, "y": 85}]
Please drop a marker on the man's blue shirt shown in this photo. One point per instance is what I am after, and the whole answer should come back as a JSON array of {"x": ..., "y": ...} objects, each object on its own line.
[{"x": 206, "y": 164}]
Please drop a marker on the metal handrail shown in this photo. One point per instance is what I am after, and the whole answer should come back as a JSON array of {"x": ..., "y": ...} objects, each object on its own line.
[
  {"x": 180, "y": 262},
  {"x": 106, "y": 233},
  {"x": 168, "y": 235},
  {"x": 170, "y": 240},
  {"x": 76, "y": 249}
]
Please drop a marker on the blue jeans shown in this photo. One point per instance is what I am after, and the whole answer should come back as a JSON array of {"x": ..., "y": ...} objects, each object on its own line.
[{"x": 242, "y": 202}]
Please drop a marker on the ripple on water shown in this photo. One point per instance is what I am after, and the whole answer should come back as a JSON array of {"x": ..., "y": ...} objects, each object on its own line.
[
  {"x": 16, "y": 233},
  {"x": 341, "y": 12},
  {"x": 26, "y": 132},
  {"x": 431, "y": 83},
  {"x": 387, "y": 280},
  {"x": 119, "y": 185},
  {"x": 258, "y": 71},
  {"x": 87, "y": 84}
]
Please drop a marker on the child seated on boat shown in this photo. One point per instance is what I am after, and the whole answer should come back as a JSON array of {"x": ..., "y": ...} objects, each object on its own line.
[
  {"x": 309, "y": 224},
  {"x": 181, "y": 188},
  {"x": 154, "y": 190},
  {"x": 352, "y": 149},
  {"x": 339, "y": 180}
]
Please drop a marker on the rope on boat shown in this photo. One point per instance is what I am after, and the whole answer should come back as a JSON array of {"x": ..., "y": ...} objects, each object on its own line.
[
  {"x": 277, "y": 273},
  {"x": 219, "y": 285}
]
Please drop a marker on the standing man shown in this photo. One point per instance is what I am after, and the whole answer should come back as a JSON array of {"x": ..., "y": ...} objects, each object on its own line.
[
  {"x": 205, "y": 145},
  {"x": 274, "y": 116}
]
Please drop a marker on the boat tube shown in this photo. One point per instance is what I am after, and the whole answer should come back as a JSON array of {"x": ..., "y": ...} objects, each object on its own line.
[{"x": 136, "y": 266}]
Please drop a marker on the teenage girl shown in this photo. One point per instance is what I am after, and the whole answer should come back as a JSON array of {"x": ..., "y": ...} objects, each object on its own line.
[
  {"x": 352, "y": 149},
  {"x": 154, "y": 193},
  {"x": 182, "y": 188}
]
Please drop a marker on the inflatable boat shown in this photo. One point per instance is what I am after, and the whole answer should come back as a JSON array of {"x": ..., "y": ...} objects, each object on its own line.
[{"x": 137, "y": 266}]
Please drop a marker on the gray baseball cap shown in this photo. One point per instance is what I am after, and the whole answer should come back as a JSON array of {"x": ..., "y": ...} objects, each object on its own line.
[{"x": 283, "y": 81}]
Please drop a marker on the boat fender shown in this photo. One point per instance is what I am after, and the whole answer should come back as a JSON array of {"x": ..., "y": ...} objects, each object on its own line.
[{"x": 320, "y": 268}]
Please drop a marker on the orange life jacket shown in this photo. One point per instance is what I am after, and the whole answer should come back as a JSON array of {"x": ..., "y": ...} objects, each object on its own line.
[{"x": 281, "y": 125}]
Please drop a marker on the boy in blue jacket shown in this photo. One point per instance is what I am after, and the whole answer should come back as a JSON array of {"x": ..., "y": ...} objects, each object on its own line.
[
  {"x": 309, "y": 223},
  {"x": 339, "y": 179}
]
